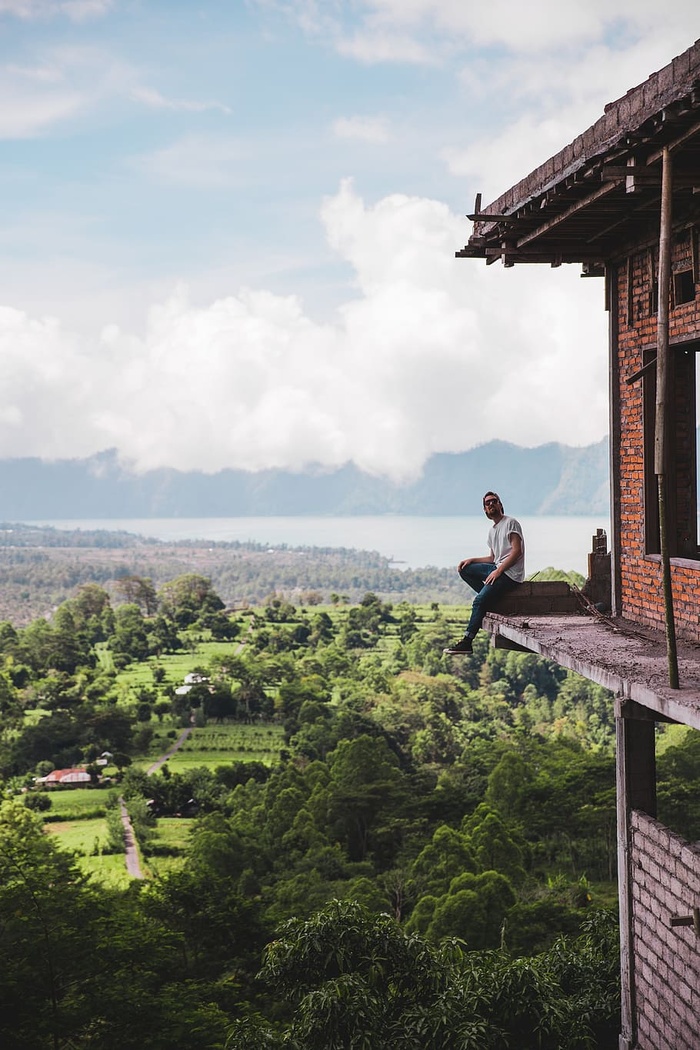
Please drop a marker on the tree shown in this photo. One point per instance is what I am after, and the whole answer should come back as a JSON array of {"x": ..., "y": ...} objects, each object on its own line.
[
  {"x": 46, "y": 954},
  {"x": 44, "y": 646},
  {"x": 494, "y": 846},
  {"x": 92, "y": 612},
  {"x": 447, "y": 855},
  {"x": 474, "y": 909},
  {"x": 222, "y": 627},
  {"x": 187, "y": 598},
  {"x": 358, "y": 981},
  {"x": 509, "y": 783},
  {"x": 354, "y": 980},
  {"x": 218, "y": 702},
  {"x": 139, "y": 590},
  {"x": 130, "y": 639},
  {"x": 109, "y": 727},
  {"x": 162, "y": 637},
  {"x": 56, "y": 740},
  {"x": 365, "y": 783}
]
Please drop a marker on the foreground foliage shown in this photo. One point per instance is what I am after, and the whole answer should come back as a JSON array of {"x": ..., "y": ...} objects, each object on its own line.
[
  {"x": 354, "y": 980},
  {"x": 422, "y": 856}
]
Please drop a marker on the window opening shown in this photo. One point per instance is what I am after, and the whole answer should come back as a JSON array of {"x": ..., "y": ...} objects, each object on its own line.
[
  {"x": 683, "y": 287},
  {"x": 681, "y": 468},
  {"x": 684, "y": 268}
]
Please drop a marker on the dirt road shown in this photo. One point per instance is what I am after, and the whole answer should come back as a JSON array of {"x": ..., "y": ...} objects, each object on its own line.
[{"x": 133, "y": 862}]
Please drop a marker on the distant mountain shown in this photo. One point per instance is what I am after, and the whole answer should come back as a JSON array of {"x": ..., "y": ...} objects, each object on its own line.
[{"x": 550, "y": 479}]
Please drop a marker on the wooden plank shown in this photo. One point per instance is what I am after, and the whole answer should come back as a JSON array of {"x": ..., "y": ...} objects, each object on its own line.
[
  {"x": 509, "y": 220},
  {"x": 645, "y": 174},
  {"x": 662, "y": 405},
  {"x": 641, "y": 372}
]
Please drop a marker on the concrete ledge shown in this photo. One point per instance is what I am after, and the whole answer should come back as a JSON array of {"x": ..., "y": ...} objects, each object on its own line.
[{"x": 533, "y": 598}]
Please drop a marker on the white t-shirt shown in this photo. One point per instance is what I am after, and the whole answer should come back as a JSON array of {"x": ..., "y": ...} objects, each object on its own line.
[{"x": 500, "y": 546}]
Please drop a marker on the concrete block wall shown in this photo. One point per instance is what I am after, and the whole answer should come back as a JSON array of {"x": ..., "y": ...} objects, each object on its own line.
[
  {"x": 535, "y": 598},
  {"x": 665, "y": 882},
  {"x": 641, "y": 594}
]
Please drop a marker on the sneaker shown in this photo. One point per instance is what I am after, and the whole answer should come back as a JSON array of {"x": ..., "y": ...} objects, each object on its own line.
[{"x": 464, "y": 645}]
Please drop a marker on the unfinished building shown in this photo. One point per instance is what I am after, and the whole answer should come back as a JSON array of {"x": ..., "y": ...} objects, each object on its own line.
[{"x": 623, "y": 201}]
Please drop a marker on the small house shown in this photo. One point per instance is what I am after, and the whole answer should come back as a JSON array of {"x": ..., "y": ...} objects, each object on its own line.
[{"x": 63, "y": 777}]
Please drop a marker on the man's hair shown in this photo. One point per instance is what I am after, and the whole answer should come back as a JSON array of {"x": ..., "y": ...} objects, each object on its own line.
[{"x": 489, "y": 493}]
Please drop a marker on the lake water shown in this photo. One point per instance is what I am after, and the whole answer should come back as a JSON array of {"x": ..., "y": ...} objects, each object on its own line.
[{"x": 410, "y": 542}]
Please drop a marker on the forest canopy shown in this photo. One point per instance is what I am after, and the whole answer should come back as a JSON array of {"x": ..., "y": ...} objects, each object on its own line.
[{"x": 356, "y": 841}]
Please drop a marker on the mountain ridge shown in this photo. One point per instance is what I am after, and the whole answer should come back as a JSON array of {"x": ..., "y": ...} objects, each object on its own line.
[{"x": 553, "y": 479}]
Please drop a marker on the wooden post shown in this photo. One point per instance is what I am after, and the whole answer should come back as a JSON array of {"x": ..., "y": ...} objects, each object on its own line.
[{"x": 662, "y": 389}]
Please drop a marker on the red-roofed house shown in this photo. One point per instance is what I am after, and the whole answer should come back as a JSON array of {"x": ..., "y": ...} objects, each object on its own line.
[{"x": 65, "y": 776}]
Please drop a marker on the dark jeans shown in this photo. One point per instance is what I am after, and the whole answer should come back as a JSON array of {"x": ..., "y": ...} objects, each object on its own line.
[{"x": 487, "y": 594}]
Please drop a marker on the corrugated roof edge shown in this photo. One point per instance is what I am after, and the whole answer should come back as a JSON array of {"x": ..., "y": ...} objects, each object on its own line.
[{"x": 620, "y": 118}]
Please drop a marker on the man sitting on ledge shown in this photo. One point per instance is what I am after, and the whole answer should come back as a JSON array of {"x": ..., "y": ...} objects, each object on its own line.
[{"x": 492, "y": 576}]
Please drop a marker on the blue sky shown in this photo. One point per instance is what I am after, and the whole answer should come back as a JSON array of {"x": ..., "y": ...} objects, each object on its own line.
[{"x": 227, "y": 229}]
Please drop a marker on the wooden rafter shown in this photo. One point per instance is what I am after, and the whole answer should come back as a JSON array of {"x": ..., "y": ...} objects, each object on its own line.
[{"x": 568, "y": 213}]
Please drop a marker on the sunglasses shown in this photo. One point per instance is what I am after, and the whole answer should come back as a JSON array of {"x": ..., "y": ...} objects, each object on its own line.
[{"x": 488, "y": 502}]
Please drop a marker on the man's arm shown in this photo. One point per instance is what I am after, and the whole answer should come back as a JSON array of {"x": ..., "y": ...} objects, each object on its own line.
[
  {"x": 516, "y": 552},
  {"x": 468, "y": 561}
]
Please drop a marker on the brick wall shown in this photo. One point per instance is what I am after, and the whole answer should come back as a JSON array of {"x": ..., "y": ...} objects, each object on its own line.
[
  {"x": 641, "y": 594},
  {"x": 665, "y": 874}
]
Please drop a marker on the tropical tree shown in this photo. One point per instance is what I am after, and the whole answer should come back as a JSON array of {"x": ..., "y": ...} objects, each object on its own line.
[
  {"x": 188, "y": 598},
  {"x": 139, "y": 590},
  {"x": 355, "y": 980},
  {"x": 130, "y": 639}
]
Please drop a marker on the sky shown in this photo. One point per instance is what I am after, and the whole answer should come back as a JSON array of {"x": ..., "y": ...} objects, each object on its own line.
[{"x": 228, "y": 227}]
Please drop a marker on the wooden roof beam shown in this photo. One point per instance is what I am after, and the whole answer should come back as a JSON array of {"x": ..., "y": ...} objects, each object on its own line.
[
  {"x": 629, "y": 216},
  {"x": 568, "y": 213},
  {"x": 511, "y": 220},
  {"x": 676, "y": 143},
  {"x": 554, "y": 257}
]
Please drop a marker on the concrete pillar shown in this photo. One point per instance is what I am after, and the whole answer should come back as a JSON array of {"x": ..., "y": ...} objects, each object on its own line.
[{"x": 636, "y": 789}]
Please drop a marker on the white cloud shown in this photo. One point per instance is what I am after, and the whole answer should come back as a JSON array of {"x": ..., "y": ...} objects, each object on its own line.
[
  {"x": 378, "y": 45},
  {"x": 365, "y": 129},
  {"x": 76, "y": 10},
  {"x": 433, "y": 354},
  {"x": 60, "y": 84},
  {"x": 433, "y": 31},
  {"x": 538, "y": 26},
  {"x": 155, "y": 100},
  {"x": 79, "y": 10},
  {"x": 552, "y": 103},
  {"x": 205, "y": 162},
  {"x": 34, "y": 98}
]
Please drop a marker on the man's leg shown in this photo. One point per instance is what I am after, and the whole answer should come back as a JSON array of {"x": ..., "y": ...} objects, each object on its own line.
[
  {"x": 486, "y": 598},
  {"x": 476, "y": 573}
]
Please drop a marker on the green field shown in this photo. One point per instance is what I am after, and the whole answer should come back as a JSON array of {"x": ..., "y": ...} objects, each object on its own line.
[
  {"x": 175, "y": 665},
  {"x": 82, "y": 828},
  {"x": 168, "y": 847},
  {"x": 88, "y": 837},
  {"x": 109, "y": 869},
  {"x": 216, "y": 745},
  {"x": 78, "y": 803}
]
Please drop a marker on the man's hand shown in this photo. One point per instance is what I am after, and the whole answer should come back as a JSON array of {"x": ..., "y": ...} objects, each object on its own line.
[{"x": 492, "y": 576}]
